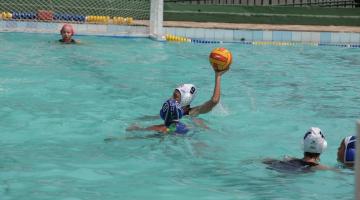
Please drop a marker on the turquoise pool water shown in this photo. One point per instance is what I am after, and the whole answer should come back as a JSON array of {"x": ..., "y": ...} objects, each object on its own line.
[{"x": 59, "y": 103}]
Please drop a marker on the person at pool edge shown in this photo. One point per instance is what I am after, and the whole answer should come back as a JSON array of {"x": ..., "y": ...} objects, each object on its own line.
[
  {"x": 314, "y": 144},
  {"x": 184, "y": 95},
  {"x": 67, "y": 32},
  {"x": 346, "y": 151}
]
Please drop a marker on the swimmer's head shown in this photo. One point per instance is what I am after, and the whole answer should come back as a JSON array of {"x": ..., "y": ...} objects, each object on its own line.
[
  {"x": 67, "y": 31},
  {"x": 171, "y": 112},
  {"x": 185, "y": 94},
  {"x": 346, "y": 151},
  {"x": 314, "y": 141}
]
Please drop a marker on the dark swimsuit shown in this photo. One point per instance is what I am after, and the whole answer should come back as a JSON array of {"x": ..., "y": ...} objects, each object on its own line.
[
  {"x": 294, "y": 165},
  {"x": 302, "y": 164},
  {"x": 72, "y": 41}
]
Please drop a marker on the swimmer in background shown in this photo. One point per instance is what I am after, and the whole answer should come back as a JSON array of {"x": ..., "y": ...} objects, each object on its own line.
[
  {"x": 184, "y": 95},
  {"x": 346, "y": 152},
  {"x": 314, "y": 144},
  {"x": 67, "y": 32}
]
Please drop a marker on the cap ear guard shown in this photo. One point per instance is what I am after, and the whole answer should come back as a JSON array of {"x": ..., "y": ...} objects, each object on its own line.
[
  {"x": 349, "y": 154},
  {"x": 324, "y": 146}
]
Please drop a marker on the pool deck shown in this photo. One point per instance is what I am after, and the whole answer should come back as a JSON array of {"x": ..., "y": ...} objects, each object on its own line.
[
  {"x": 205, "y": 32},
  {"x": 266, "y": 27}
]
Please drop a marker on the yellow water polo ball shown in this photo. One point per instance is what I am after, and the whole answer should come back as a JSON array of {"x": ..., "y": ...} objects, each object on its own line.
[{"x": 220, "y": 59}]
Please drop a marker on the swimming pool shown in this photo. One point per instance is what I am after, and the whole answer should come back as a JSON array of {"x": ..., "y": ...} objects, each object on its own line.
[{"x": 59, "y": 103}]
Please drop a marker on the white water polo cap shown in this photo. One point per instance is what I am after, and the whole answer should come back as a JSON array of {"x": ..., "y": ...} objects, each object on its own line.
[
  {"x": 187, "y": 92},
  {"x": 314, "y": 141}
]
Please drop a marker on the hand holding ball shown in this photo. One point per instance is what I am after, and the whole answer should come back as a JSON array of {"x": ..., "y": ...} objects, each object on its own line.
[{"x": 220, "y": 59}]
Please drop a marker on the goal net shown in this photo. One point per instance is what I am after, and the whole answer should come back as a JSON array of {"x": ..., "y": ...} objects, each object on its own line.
[
  {"x": 75, "y": 10},
  {"x": 123, "y": 12}
]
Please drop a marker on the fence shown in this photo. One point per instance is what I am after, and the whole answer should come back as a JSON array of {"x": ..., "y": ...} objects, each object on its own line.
[{"x": 297, "y": 3}]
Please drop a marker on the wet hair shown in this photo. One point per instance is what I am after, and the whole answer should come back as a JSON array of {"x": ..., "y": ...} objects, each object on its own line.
[{"x": 311, "y": 155}]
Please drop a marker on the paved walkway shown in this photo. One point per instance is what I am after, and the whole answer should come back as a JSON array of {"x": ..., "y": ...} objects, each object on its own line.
[
  {"x": 264, "y": 26},
  {"x": 270, "y": 27}
]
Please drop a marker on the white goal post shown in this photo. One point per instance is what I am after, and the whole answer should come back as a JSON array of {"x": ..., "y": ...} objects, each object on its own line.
[
  {"x": 357, "y": 162},
  {"x": 156, "y": 19}
]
